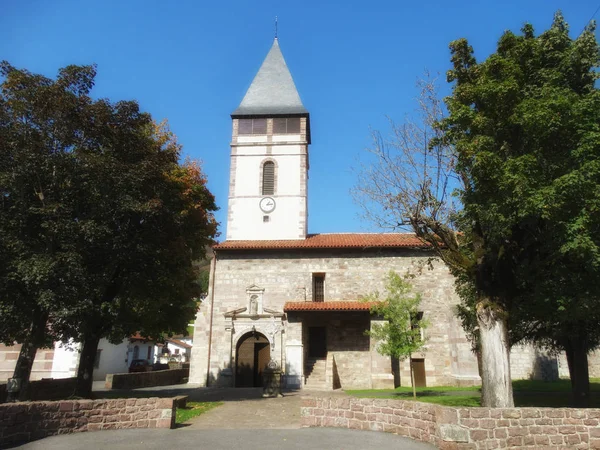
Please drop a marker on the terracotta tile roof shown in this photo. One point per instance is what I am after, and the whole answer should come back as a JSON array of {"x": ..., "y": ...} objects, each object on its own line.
[
  {"x": 333, "y": 240},
  {"x": 327, "y": 306},
  {"x": 138, "y": 336}
]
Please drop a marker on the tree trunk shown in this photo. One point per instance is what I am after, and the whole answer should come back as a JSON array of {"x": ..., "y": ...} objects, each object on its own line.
[
  {"x": 480, "y": 369},
  {"x": 569, "y": 353},
  {"x": 495, "y": 356},
  {"x": 85, "y": 371},
  {"x": 412, "y": 376},
  {"x": 24, "y": 364},
  {"x": 577, "y": 350}
]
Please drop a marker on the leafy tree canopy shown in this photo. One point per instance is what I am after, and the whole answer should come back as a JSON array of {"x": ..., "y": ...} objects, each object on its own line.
[
  {"x": 100, "y": 222},
  {"x": 400, "y": 334},
  {"x": 525, "y": 125}
]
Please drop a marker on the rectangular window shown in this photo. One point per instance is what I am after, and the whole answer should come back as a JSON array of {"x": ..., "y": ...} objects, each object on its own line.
[
  {"x": 149, "y": 353},
  {"x": 252, "y": 126},
  {"x": 245, "y": 126},
  {"x": 97, "y": 359},
  {"x": 415, "y": 319},
  {"x": 287, "y": 125},
  {"x": 259, "y": 126},
  {"x": 318, "y": 287},
  {"x": 293, "y": 125}
]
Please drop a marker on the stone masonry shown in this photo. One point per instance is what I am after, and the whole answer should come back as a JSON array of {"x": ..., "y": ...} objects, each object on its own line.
[
  {"x": 349, "y": 275},
  {"x": 28, "y": 421},
  {"x": 450, "y": 428}
]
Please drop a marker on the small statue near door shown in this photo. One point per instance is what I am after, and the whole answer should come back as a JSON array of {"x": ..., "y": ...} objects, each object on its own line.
[{"x": 254, "y": 305}]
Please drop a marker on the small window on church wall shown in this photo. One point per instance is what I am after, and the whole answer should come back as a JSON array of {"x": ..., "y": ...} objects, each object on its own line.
[
  {"x": 318, "y": 287},
  {"x": 415, "y": 319},
  {"x": 252, "y": 126},
  {"x": 268, "y": 181},
  {"x": 287, "y": 125}
]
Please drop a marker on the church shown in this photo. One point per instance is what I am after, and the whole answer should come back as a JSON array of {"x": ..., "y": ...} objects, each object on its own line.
[
  {"x": 277, "y": 293},
  {"x": 280, "y": 295}
]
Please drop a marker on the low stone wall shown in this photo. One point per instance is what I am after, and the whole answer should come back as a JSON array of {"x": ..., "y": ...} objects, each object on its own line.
[
  {"x": 46, "y": 389},
  {"x": 460, "y": 428},
  {"x": 28, "y": 421},
  {"x": 145, "y": 379}
]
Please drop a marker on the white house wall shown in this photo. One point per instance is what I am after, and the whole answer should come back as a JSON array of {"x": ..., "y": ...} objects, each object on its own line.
[
  {"x": 113, "y": 359},
  {"x": 66, "y": 360}
]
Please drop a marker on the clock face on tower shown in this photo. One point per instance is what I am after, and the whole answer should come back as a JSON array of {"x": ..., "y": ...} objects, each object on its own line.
[{"x": 267, "y": 204}]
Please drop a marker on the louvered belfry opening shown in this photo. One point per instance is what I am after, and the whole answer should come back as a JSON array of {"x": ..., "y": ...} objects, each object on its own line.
[
  {"x": 286, "y": 125},
  {"x": 252, "y": 126},
  {"x": 268, "y": 181}
]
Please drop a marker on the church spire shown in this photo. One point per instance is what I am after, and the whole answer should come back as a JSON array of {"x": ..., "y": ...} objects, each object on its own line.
[{"x": 272, "y": 91}]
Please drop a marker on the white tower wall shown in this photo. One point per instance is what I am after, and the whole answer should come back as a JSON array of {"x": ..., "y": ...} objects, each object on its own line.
[{"x": 289, "y": 153}]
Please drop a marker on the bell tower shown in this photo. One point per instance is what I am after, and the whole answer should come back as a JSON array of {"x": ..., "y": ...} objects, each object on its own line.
[{"x": 268, "y": 177}]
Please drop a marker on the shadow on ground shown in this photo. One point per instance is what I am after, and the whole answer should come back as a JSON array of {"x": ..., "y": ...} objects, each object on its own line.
[{"x": 195, "y": 393}]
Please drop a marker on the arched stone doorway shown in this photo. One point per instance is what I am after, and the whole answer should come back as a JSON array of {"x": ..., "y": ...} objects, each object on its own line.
[{"x": 252, "y": 355}]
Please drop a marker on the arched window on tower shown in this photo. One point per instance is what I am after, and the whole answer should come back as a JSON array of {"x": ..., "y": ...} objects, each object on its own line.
[{"x": 268, "y": 178}]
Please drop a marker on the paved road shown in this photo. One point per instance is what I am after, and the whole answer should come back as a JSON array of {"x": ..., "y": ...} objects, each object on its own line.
[
  {"x": 245, "y": 420},
  {"x": 185, "y": 438}
]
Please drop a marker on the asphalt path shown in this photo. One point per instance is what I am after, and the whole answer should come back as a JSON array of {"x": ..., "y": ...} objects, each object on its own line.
[{"x": 182, "y": 438}]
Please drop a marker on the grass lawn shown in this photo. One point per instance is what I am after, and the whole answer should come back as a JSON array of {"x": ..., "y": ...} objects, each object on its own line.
[
  {"x": 526, "y": 393},
  {"x": 194, "y": 409},
  {"x": 441, "y": 395}
]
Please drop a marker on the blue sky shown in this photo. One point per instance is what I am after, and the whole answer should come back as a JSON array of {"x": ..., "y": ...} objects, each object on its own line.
[{"x": 354, "y": 62}]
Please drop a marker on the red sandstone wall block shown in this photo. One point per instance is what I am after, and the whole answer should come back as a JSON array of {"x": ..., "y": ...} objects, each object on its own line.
[
  {"x": 309, "y": 402},
  {"x": 531, "y": 428},
  {"x": 35, "y": 420}
]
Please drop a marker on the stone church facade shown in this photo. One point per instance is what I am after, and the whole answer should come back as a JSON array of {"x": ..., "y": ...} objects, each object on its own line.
[{"x": 279, "y": 294}]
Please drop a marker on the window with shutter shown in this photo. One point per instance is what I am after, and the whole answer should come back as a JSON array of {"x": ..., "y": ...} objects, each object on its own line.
[
  {"x": 252, "y": 126},
  {"x": 268, "y": 181},
  {"x": 286, "y": 125},
  {"x": 293, "y": 125},
  {"x": 279, "y": 126},
  {"x": 259, "y": 126},
  {"x": 318, "y": 287},
  {"x": 245, "y": 126}
]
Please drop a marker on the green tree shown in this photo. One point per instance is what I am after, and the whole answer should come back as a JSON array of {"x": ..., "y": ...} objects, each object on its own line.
[
  {"x": 100, "y": 223},
  {"x": 399, "y": 336},
  {"x": 412, "y": 181},
  {"x": 525, "y": 125}
]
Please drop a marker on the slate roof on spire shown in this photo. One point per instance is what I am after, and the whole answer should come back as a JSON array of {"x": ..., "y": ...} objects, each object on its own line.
[{"x": 272, "y": 91}]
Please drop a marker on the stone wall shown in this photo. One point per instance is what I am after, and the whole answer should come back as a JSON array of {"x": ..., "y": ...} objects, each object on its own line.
[
  {"x": 46, "y": 389},
  {"x": 593, "y": 365},
  {"x": 459, "y": 428},
  {"x": 528, "y": 362},
  {"x": 145, "y": 379},
  {"x": 28, "y": 421},
  {"x": 349, "y": 275}
]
